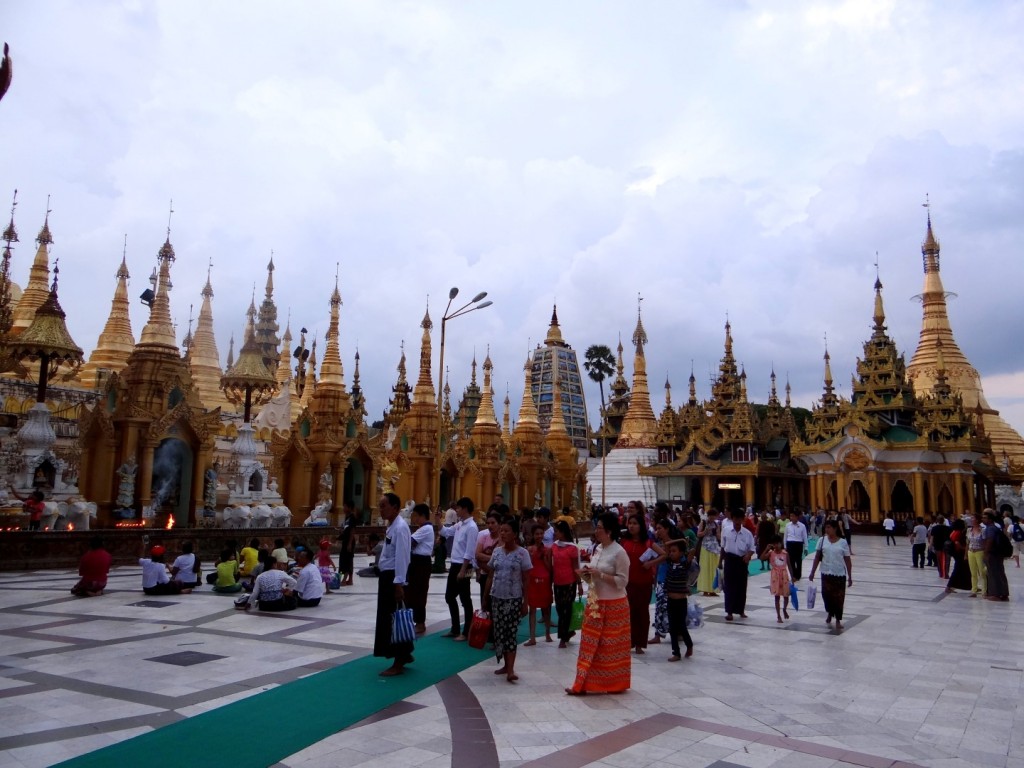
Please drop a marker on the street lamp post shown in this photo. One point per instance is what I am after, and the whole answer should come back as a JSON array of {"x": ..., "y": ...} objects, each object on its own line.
[{"x": 477, "y": 302}]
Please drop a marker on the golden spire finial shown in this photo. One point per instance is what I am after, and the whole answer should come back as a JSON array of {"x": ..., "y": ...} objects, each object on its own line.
[
  {"x": 879, "y": 313},
  {"x": 159, "y": 329},
  {"x": 554, "y": 336},
  {"x": 789, "y": 391},
  {"x": 485, "y": 414},
  {"x": 528, "y": 408},
  {"x": 668, "y": 392},
  {"x": 269, "y": 290},
  {"x": 332, "y": 373},
  {"x": 116, "y": 341},
  {"x": 424, "y": 391},
  {"x": 11, "y": 234},
  {"x": 44, "y": 237}
]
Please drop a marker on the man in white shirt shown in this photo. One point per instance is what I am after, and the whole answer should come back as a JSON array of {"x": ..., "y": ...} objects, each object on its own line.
[
  {"x": 420, "y": 566},
  {"x": 309, "y": 584},
  {"x": 795, "y": 537},
  {"x": 463, "y": 535},
  {"x": 737, "y": 549},
  {"x": 394, "y": 574}
]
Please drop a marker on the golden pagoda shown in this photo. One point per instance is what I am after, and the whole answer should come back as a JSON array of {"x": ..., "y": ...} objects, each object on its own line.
[
  {"x": 618, "y": 400},
  {"x": 639, "y": 427},
  {"x": 525, "y": 477},
  {"x": 152, "y": 418},
  {"x": 328, "y": 452},
  {"x": 38, "y": 288},
  {"x": 418, "y": 427},
  {"x": 961, "y": 376},
  {"x": 889, "y": 450},
  {"x": 484, "y": 450},
  {"x": 116, "y": 341},
  {"x": 204, "y": 359},
  {"x": 724, "y": 454}
]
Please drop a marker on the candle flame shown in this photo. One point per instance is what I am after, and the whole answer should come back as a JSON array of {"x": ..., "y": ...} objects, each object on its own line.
[{"x": 170, "y": 522}]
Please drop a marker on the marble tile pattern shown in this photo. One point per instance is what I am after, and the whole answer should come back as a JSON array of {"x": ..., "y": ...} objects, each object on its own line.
[{"x": 918, "y": 677}]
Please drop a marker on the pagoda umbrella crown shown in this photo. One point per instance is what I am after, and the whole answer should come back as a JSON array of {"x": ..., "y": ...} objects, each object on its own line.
[
  {"x": 248, "y": 382},
  {"x": 47, "y": 336}
]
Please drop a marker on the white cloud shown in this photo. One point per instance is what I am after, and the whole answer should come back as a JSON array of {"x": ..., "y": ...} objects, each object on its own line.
[{"x": 748, "y": 159}]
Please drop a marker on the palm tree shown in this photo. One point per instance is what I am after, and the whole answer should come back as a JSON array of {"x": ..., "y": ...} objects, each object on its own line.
[{"x": 599, "y": 362}]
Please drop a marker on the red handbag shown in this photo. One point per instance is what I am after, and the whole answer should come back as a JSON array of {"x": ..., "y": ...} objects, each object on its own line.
[{"x": 479, "y": 629}]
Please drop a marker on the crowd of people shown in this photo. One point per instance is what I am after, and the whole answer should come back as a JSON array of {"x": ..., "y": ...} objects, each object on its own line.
[{"x": 527, "y": 564}]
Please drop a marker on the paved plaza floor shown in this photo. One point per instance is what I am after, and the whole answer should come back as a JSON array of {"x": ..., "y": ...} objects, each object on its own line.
[{"x": 918, "y": 677}]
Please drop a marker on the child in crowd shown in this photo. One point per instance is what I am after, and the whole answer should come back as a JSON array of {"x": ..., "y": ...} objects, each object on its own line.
[
  {"x": 778, "y": 558},
  {"x": 677, "y": 592},
  {"x": 227, "y": 573},
  {"x": 326, "y": 565}
]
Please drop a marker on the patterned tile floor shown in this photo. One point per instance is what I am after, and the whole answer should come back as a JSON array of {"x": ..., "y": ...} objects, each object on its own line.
[{"x": 918, "y": 678}]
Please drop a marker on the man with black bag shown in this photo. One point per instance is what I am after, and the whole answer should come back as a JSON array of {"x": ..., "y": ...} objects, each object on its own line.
[{"x": 394, "y": 569}]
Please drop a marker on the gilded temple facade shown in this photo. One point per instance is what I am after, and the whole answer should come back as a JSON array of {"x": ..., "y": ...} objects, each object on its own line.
[
  {"x": 721, "y": 453},
  {"x": 888, "y": 449}
]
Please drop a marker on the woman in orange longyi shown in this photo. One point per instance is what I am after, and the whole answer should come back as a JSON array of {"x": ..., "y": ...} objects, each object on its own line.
[{"x": 604, "y": 661}]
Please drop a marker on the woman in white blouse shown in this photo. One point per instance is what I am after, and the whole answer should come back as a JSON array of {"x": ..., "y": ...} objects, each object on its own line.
[
  {"x": 833, "y": 556},
  {"x": 603, "y": 665}
]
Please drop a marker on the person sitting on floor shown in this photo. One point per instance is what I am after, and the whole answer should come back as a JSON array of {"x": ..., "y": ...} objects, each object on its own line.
[
  {"x": 185, "y": 568},
  {"x": 374, "y": 546},
  {"x": 273, "y": 589},
  {"x": 227, "y": 573},
  {"x": 93, "y": 569},
  {"x": 279, "y": 551},
  {"x": 155, "y": 578},
  {"x": 309, "y": 584}
]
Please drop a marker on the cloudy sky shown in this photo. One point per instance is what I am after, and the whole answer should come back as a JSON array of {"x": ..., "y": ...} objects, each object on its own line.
[{"x": 739, "y": 158}]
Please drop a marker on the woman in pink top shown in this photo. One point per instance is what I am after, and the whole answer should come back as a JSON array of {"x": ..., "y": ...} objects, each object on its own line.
[{"x": 565, "y": 562}]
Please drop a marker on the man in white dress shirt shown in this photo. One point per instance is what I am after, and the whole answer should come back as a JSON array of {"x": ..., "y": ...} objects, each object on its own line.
[
  {"x": 310, "y": 584},
  {"x": 394, "y": 570},
  {"x": 420, "y": 566},
  {"x": 737, "y": 549},
  {"x": 463, "y": 535},
  {"x": 796, "y": 542}
]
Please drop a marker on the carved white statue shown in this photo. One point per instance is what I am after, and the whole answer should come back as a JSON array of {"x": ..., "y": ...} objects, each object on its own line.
[{"x": 318, "y": 515}]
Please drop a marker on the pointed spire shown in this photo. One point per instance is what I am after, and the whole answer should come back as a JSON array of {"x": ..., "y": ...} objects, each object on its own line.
[
  {"x": 743, "y": 385},
  {"x": 639, "y": 427},
  {"x": 528, "y": 409},
  {"x": 358, "y": 401},
  {"x": 554, "y": 337},
  {"x": 37, "y": 290},
  {"x": 266, "y": 324},
  {"x": 879, "y": 313},
  {"x": 485, "y": 415},
  {"x": 472, "y": 378},
  {"x": 506, "y": 417},
  {"x": 400, "y": 403},
  {"x": 231, "y": 350},
  {"x": 773, "y": 397},
  {"x": 668, "y": 393},
  {"x": 693, "y": 386},
  {"x": 332, "y": 374},
  {"x": 116, "y": 341},
  {"x": 446, "y": 409},
  {"x": 424, "y": 391},
  {"x": 789, "y": 393},
  {"x": 283, "y": 375},
  {"x": 159, "y": 329},
  {"x": 204, "y": 358},
  {"x": 10, "y": 235}
]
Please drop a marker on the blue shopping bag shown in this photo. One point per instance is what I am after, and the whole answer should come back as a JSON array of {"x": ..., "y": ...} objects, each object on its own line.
[
  {"x": 793, "y": 597},
  {"x": 403, "y": 628}
]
